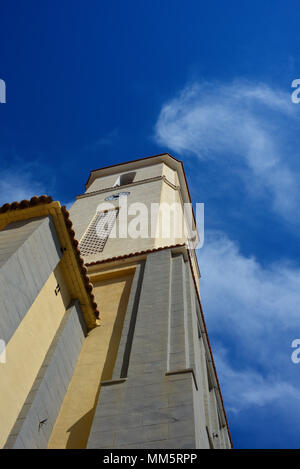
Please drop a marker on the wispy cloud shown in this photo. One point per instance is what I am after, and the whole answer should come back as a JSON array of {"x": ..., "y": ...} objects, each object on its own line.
[
  {"x": 20, "y": 181},
  {"x": 244, "y": 124},
  {"x": 246, "y": 388},
  {"x": 252, "y": 309},
  {"x": 253, "y": 313}
]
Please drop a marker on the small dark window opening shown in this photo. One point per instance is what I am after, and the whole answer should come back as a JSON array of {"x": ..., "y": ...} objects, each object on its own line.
[{"x": 125, "y": 179}]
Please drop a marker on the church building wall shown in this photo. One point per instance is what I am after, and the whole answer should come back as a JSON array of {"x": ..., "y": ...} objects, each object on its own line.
[
  {"x": 30, "y": 251},
  {"x": 84, "y": 209},
  {"x": 41, "y": 322},
  {"x": 95, "y": 362},
  {"x": 27, "y": 349},
  {"x": 157, "y": 192},
  {"x": 140, "y": 376},
  {"x": 35, "y": 421},
  {"x": 155, "y": 397}
]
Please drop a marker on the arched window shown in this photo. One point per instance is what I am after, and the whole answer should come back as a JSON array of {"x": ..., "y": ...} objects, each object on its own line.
[{"x": 126, "y": 178}]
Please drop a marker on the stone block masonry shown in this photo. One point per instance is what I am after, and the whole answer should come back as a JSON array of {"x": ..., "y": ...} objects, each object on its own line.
[
  {"x": 30, "y": 251},
  {"x": 153, "y": 400}
]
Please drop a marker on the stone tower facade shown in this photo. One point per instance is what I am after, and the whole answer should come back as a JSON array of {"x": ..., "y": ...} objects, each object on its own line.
[
  {"x": 138, "y": 375},
  {"x": 158, "y": 386}
]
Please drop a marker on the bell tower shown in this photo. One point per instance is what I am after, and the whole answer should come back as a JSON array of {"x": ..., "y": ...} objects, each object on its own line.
[
  {"x": 145, "y": 377},
  {"x": 142, "y": 200}
]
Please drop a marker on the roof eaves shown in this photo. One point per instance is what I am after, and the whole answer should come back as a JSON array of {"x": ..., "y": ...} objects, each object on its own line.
[{"x": 45, "y": 200}]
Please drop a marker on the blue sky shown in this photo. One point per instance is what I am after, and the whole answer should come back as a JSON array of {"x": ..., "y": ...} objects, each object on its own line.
[{"x": 95, "y": 83}]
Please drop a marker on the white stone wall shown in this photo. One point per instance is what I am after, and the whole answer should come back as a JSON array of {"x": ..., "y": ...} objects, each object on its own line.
[
  {"x": 159, "y": 394},
  {"x": 149, "y": 192}
]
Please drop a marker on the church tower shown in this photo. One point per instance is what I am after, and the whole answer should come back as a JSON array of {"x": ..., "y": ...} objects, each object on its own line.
[
  {"x": 103, "y": 342},
  {"x": 145, "y": 376}
]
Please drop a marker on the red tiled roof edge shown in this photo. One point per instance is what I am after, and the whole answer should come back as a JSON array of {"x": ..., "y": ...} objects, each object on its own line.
[
  {"x": 46, "y": 199},
  {"x": 43, "y": 199}
]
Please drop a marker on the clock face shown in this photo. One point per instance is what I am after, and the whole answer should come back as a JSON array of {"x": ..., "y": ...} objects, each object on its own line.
[{"x": 117, "y": 196}]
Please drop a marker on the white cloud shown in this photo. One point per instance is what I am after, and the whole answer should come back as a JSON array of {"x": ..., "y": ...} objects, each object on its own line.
[
  {"x": 19, "y": 182},
  {"x": 271, "y": 292},
  {"x": 247, "y": 388},
  {"x": 242, "y": 123},
  {"x": 253, "y": 314}
]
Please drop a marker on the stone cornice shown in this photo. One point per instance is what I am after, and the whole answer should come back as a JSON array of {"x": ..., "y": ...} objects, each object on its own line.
[{"x": 135, "y": 183}]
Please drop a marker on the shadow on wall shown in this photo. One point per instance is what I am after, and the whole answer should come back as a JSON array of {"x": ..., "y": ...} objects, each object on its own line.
[{"x": 80, "y": 431}]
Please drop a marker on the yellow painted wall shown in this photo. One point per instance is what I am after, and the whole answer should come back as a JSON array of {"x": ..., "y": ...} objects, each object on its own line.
[
  {"x": 27, "y": 349},
  {"x": 95, "y": 364}
]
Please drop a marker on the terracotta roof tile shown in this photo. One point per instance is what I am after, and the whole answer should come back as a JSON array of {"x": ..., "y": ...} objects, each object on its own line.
[{"x": 43, "y": 199}]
